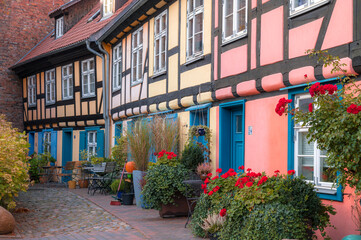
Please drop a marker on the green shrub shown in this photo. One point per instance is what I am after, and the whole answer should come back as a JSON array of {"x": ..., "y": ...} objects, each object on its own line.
[
  {"x": 192, "y": 156},
  {"x": 14, "y": 167},
  {"x": 274, "y": 221},
  {"x": 232, "y": 228},
  {"x": 201, "y": 211},
  {"x": 124, "y": 186},
  {"x": 163, "y": 183},
  {"x": 120, "y": 151}
]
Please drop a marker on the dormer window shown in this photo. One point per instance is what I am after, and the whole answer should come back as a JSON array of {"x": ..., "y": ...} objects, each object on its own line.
[
  {"x": 59, "y": 27},
  {"x": 107, "y": 7}
]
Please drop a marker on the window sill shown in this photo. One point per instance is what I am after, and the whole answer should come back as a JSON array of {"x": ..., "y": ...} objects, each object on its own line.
[
  {"x": 32, "y": 106},
  {"x": 49, "y": 103},
  {"x": 326, "y": 190},
  {"x": 68, "y": 98},
  {"x": 136, "y": 83},
  {"x": 116, "y": 89},
  {"x": 88, "y": 96},
  {"x": 307, "y": 9},
  {"x": 163, "y": 72},
  {"x": 233, "y": 39},
  {"x": 194, "y": 59}
]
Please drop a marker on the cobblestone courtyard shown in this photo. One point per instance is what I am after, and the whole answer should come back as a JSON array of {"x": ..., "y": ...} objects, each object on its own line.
[{"x": 59, "y": 213}]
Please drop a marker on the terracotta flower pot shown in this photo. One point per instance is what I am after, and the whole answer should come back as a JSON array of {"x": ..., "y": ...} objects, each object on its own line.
[
  {"x": 179, "y": 208},
  {"x": 83, "y": 183},
  {"x": 72, "y": 184}
]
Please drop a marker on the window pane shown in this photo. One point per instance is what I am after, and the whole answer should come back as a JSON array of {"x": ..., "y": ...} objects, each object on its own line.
[
  {"x": 238, "y": 124},
  {"x": 119, "y": 74},
  {"x": 140, "y": 36},
  {"x": 303, "y": 104},
  {"x": 190, "y": 6},
  {"x": 229, "y": 7},
  {"x": 92, "y": 83},
  {"x": 91, "y": 64},
  {"x": 304, "y": 148},
  {"x": 157, "y": 27},
  {"x": 162, "y": 61},
  {"x": 305, "y": 167},
  {"x": 198, "y": 3},
  {"x": 198, "y": 27},
  {"x": 157, "y": 44},
  {"x": 164, "y": 22},
  {"x": 325, "y": 175},
  {"x": 241, "y": 20},
  {"x": 198, "y": 46},
  {"x": 163, "y": 42},
  {"x": 156, "y": 63},
  {"x": 85, "y": 66},
  {"x": 190, "y": 47},
  {"x": 229, "y": 26},
  {"x": 298, "y": 3}
]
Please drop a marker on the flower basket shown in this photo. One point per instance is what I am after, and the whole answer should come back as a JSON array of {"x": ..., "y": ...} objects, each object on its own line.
[{"x": 179, "y": 208}]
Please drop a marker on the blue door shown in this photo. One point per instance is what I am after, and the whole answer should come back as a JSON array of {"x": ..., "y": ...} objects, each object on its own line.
[
  {"x": 67, "y": 152},
  {"x": 31, "y": 142},
  {"x": 237, "y": 138}
]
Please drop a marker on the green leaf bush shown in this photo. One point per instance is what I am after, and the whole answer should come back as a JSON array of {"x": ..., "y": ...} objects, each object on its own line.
[
  {"x": 14, "y": 166},
  {"x": 164, "y": 182},
  {"x": 192, "y": 156},
  {"x": 247, "y": 197}
]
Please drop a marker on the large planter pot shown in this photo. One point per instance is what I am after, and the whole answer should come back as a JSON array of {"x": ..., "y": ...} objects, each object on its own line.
[
  {"x": 137, "y": 182},
  {"x": 127, "y": 198},
  {"x": 7, "y": 221},
  {"x": 352, "y": 237},
  {"x": 72, "y": 184},
  {"x": 83, "y": 183},
  {"x": 178, "y": 208}
]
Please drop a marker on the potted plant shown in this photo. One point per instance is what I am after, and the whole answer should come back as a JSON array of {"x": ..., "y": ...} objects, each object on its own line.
[
  {"x": 139, "y": 142},
  {"x": 203, "y": 170},
  {"x": 165, "y": 179},
  {"x": 213, "y": 224},
  {"x": 192, "y": 156}
]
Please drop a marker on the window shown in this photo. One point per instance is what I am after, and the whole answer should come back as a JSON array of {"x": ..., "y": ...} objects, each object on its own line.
[
  {"x": 88, "y": 78},
  {"x": 47, "y": 142},
  {"x": 160, "y": 42},
  {"x": 59, "y": 27},
  {"x": 67, "y": 79},
  {"x": 50, "y": 86},
  {"x": 137, "y": 56},
  {"x": 300, "y": 6},
  {"x": 194, "y": 28},
  {"x": 309, "y": 161},
  {"x": 92, "y": 143},
  {"x": 234, "y": 19},
  {"x": 107, "y": 7},
  {"x": 32, "y": 90},
  {"x": 117, "y": 67}
]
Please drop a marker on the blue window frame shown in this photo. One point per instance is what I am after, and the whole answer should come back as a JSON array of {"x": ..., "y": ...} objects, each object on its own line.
[
  {"x": 87, "y": 137},
  {"x": 307, "y": 155},
  {"x": 53, "y": 141},
  {"x": 118, "y": 128}
]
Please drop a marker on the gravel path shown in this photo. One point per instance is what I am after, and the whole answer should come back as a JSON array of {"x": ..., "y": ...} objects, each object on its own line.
[{"x": 57, "y": 211}]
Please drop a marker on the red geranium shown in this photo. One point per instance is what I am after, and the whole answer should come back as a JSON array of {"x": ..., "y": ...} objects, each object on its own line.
[
  {"x": 223, "y": 212},
  {"x": 291, "y": 172},
  {"x": 241, "y": 167},
  {"x": 209, "y": 175},
  {"x": 354, "y": 109},
  {"x": 206, "y": 181},
  {"x": 216, "y": 177},
  {"x": 210, "y": 193},
  {"x": 281, "y": 105},
  {"x": 310, "y": 107},
  {"x": 219, "y": 170},
  {"x": 249, "y": 184}
]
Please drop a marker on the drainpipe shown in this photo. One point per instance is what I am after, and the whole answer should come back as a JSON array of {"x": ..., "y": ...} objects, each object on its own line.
[
  {"x": 107, "y": 88},
  {"x": 106, "y": 145}
]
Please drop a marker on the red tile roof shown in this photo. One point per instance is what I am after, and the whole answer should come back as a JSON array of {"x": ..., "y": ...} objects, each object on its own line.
[{"x": 77, "y": 34}]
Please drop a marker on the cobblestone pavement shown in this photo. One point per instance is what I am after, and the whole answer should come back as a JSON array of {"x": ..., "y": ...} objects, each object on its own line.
[{"x": 57, "y": 213}]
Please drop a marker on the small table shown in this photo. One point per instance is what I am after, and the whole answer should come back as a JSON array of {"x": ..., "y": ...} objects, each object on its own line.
[{"x": 50, "y": 172}]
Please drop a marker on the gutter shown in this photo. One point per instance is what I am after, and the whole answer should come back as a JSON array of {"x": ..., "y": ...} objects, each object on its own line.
[
  {"x": 105, "y": 115},
  {"x": 106, "y": 96}
]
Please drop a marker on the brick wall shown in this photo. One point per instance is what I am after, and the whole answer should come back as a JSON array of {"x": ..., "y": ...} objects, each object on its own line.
[
  {"x": 23, "y": 24},
  {"x": 77, "y": 12}
]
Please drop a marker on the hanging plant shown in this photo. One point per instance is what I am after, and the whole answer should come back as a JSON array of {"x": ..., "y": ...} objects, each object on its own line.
[{"x": 199, "y": 131}]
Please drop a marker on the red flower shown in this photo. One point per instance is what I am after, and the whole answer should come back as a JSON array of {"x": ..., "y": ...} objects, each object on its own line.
[
  {"x": 223, "y": 212},
  {"x": 216, "y": 177},
  {"x": 305, "y": 75},
  {"x": 226, "y": 175},
  {"x": 262, "y": 180},
  {"x": 241, "y": 167},
  {"x": 310, "y": 107},
  {"x": 155, "y": 154},
  {"x": 210, "y": 193},
  {"x": 277, "y": 172},
  {"x": 215, "y": 189},
  {"x": 317, "y": 89},
  {"x": 206, "y": 181},
  {"x": 219, "y": 170},
  {"x": 209, "y": 175},
  {"x": 291, "y": 172},
  {"x": 169, "y": 157},
  {"x": 249, "y": 184},
  {"x": 205, "y": 191},
  {"x": 248, "y": 169},
  {"x": 281, "y": 106},
  {"x": 354, "y": 109}
]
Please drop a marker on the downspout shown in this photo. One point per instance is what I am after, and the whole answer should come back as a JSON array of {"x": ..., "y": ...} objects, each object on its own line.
[
  {"x": 106, "y": 144},
  {"x": 106, "y": 99}
]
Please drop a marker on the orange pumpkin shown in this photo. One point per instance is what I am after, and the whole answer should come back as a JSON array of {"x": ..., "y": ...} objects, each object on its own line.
[{"x": 130, "y": 167}]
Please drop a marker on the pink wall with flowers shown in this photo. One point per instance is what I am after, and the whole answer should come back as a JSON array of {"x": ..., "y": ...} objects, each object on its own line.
[{"x": 266, "y": 148}]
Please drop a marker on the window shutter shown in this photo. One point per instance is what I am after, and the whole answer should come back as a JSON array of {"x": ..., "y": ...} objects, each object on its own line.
[
  {"x": 40, "y": 142},
  {"x": 82, "y": 142},
  {"x": 53, "y": 144},
  {"x": 31, "y": 142},
  {"x": 100, "y": 143}
]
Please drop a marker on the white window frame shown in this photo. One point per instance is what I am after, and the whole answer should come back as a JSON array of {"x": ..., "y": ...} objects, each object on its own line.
[
  {"x": 308, "y": 6},
  {"x": 92, "y": 143},
  {"x": 137, "y": 51},
  {"x": 322, "y": 187},
  {"x": 236, "y": 34},
  {"x": 160, "y": 36},
  {"x": 32, "y": 90},
  {"x": 67, "y": 87},
  {"x": 107, "y": 8},
  {"x": 89, "y": 72},
  {"x": 117, "y": 67},
  {"x": 192, "y": 16},
  {"x": 50, "y": 86},
  {"x": 59, "y": 28},
  {"x": 47, "y": 142}
]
